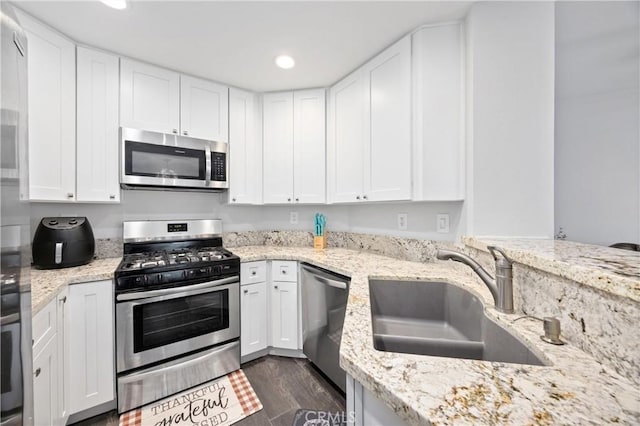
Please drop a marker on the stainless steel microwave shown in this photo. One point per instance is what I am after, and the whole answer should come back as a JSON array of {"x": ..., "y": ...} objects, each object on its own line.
[{"x": 151, "y": 160}]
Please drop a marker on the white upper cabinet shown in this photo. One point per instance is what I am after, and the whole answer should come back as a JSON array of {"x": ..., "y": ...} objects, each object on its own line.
[
  {"x": 149, "y": 97},
  {"x": 51, "y": 81},
  {"x": 245, "y": 147},
  {"x": 97, "y": 126},
  {"x": 369, "y": 144},
  {"x": 309, "y": 128},
  {"x": 345, "y": 142},
  {"x": 204, "y": 109},
  {"x": 387, "y": 151},
  {"x": 438, "y": 125},
  {"x": 278, "y": 147},
  {"x": 294, "y": 147}
]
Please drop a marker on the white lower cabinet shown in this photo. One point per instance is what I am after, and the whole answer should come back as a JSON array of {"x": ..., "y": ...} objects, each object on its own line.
[
  {"x": 45, "y": 385},
  {"x": 253, "y": 328},
  {"x": 91, "y": 345},
  {"x": 284, "y": 315},
  {"x": 73, "y": 363}
]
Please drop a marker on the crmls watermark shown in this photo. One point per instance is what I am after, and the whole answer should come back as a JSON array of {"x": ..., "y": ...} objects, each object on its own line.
[{"x": 323, "y": 418}]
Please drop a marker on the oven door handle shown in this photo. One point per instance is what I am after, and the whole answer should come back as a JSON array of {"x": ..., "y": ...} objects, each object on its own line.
[{"x": 186, "y": 290}]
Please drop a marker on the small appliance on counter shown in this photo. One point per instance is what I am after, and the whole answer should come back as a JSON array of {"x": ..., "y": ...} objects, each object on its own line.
[{"x": 62, "y": 242}]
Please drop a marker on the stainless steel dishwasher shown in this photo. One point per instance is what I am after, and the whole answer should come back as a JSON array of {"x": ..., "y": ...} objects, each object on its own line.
[{"x": 324, "y": 303}]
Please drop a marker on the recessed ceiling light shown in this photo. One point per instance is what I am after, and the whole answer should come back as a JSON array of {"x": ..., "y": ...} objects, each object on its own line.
[
  {"x": 116, "y": 4},
  {"x": 285, "y": 62}
]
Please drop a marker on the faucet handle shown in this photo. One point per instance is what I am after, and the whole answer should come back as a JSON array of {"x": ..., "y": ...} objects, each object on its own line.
[{"x": 494, "y": 249}]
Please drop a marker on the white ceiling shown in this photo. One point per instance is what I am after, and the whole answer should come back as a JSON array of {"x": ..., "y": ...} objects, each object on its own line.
[{"x": 236, "y": 42}]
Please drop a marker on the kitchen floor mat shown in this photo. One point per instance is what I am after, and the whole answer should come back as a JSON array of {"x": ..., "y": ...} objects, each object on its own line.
[{"x": 220, "y": 402}]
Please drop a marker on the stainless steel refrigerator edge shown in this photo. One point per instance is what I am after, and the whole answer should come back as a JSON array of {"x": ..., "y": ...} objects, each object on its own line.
[
  {"x": 324, "y": 304},
  {"x": 15, "y": 288}
]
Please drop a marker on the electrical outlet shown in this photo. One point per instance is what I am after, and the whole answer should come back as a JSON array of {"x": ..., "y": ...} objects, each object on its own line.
[
  {"x": 293, "y": 218},
  {"x": 402, "y": 221},
  {"x": 442, "y": 223}
]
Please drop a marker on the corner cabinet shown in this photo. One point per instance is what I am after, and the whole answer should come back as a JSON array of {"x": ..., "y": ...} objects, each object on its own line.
[
  {"x": 245, "y": 147},
  {"x": 294, "y": 147},
  {"x": 51, "y": 81},
  {"x": 284, "y": 305},
  {"x": 97, "y": 127},
  {"x": 369, "y": 142},
  {"x": 438, "y": 120}
]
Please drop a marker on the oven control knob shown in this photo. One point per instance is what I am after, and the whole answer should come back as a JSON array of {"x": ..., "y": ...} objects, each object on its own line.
[{"x": 217, "y": 269}]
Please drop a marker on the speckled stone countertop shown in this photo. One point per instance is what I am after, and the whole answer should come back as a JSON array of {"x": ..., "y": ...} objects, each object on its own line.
[
  {"x": 608, "y": 269},
  {"x": 46, "y": 284},
  {"x": 572, "y": 389}
]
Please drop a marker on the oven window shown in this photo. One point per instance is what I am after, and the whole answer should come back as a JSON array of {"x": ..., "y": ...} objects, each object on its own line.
[
  {"x": 143, "y": 159},
  {"x": 161, "y": 323}
]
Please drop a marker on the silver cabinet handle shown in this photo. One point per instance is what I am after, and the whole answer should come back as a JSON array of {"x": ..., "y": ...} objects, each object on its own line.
[
  {"x": 175, "y": 131},
  {"x": 233, "y": 199},
  {"x": 185, "y": 133},
  {"x": 112, "y": 197},
  {"x": 275, "y": 286},
  {"x": 357, "y": 197},
  {"x": 364, "y": 197},
  {"x": 253, "y": 272},
  {"x": 64, "y": 299},
  {"x": 289, "y": 199},
  {"x": 38, "y": 371},
  {"x": 283, "y": 272},
  {"x": 70, "y": 195},
  {"x": 297, "y": 199},
  {"x": 246, "y": 291}
]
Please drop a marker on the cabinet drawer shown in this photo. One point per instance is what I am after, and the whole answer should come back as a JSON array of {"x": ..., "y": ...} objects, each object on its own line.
[
  {"x": 253, "y": 272},
  {"x": 44, "y": 325},
  {"x": 284, "y": 270}
]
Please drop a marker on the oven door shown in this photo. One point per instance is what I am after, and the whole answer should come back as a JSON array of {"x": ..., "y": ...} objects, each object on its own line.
[
  {"x": 158, "y": 159},
  {"x": 157, "y": 325}
]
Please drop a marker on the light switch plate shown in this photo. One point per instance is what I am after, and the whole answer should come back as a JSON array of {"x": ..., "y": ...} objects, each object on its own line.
[
  {"x": 442, "y": 223},
  {"x": 402, "y": 221},
  {"x": 293, "y": 218}
]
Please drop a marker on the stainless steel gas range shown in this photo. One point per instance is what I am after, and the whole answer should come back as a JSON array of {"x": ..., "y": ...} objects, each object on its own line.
[{"x": 177, "y": 309}]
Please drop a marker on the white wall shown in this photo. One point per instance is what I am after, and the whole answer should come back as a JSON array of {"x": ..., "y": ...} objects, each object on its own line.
[
  {"x": 597, "y": 148},
  {"x": 106, "y": 220},
  {"x": 510, "y": 80}
]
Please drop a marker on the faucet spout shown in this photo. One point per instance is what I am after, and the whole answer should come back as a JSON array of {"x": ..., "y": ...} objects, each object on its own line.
[{"x": 501, "y": 287}]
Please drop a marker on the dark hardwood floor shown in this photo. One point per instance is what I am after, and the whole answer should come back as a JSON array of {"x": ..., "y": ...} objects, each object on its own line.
[{"x": 283, "y": 385}]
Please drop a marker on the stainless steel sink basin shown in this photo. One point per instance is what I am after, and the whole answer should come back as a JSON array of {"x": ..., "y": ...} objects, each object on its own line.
[{"x": 439, "y": 319}]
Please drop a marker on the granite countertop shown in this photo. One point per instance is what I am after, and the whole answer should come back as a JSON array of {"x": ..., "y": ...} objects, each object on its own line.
[
  {"x": 46, "y": 284},
  {"x": 608, "y": 269},
  {"x": 572, "y": 389}
]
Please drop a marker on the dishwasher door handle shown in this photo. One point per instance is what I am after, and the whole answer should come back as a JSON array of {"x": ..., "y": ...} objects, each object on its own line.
[{"x": 332, "y": 283}]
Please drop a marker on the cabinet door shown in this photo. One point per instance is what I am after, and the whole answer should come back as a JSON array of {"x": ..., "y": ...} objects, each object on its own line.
[
  {"x": 253, "y": 330},
  {"x": 91, "y": 345},
  {"x": 345, "y": 144},
  {"x": 45, "y": 385},
  {"x": 97, "y": 126},
  {"x": 278, "y": 148},
  {"x": 149, "y": 97},
  {"x": 387, "y": 167},
  {"x": 51, "y": 79},
  {"x": 284, "y": 315},
  {"x": 309, "y": 184},
  {"x": 204, "y": 109},
  {"x": 438, "y": 128},
  {"x": 62, "y": 337},
  {"x": 245, "y": 147}
]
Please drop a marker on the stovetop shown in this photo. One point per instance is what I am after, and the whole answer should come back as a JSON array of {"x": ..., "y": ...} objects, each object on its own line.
[{"x": 179, "y": 256}]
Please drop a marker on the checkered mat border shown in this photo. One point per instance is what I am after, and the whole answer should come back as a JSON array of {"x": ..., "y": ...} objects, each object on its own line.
[{"x": 242, "y": 388}]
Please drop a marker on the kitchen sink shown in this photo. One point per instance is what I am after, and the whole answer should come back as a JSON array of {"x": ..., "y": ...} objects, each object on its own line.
[{"x": 439, "y": 319}]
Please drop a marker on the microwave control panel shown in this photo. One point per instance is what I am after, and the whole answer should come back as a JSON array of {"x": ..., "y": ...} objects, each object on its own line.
[{"x": 218, "y": 166}]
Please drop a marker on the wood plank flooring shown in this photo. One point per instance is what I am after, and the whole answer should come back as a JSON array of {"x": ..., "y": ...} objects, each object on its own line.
[{"x": 283, "y": 385}]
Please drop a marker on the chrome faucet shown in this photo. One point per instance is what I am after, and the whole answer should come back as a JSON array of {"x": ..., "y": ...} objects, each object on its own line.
[{"x": 501, "y": 287}]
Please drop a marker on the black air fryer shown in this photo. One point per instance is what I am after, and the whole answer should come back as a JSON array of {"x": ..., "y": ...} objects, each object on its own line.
[{"x": 61, "y": 242}]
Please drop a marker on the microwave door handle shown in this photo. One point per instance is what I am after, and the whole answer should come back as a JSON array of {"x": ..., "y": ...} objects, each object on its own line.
[
  {"x": 58, "y": 255},
  {"x": 186, "y": 290}
]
